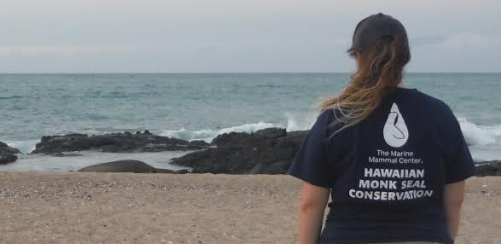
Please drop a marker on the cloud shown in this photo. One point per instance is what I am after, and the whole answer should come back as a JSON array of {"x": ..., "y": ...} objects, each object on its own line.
[
  {"x": 60, "y": 49},
  {"x": 464, "y": 41},
  {"x": 462, "y": 52}
]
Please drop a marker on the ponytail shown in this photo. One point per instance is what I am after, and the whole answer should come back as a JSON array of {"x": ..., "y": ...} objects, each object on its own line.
[{"x": 380, "y": 70}]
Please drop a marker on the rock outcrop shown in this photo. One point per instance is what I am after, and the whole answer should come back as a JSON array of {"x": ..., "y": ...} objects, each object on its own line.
[
  {"x": 7, "y": 154},
  {"x": 268, "y": 151},
  {"x": 492, "y": 168},
  {"x": 115, "y": 142}
]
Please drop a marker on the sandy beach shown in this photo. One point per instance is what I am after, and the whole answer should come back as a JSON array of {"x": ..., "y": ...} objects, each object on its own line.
[{"x": 160, "y": 208}]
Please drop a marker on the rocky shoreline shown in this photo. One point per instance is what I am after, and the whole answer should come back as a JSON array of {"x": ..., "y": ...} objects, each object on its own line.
[
  {"x": 115, "y": 142},
  {"x": 267, "y": 151}
]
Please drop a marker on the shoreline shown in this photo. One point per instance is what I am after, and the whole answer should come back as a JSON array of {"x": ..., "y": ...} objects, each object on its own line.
[
  {"x": 265, "y": 151},
  {"x": 193, "y": 208}
]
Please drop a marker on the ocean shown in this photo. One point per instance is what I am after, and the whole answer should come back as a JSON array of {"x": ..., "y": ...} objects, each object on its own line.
[{"x": 201, "y": 106}]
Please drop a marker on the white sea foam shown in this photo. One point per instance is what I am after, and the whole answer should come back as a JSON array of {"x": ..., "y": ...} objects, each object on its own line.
[
  {"x": 297, "y": 122},
  {"x": 494, "y": 130},
  {"x": 209, "y": 134},
  {"x": 23, "y": 146},
  {"x": 480, "y": 135}
]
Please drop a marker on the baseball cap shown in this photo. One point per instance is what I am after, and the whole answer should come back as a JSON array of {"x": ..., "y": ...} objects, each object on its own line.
[{"x": 372, "y": 28}]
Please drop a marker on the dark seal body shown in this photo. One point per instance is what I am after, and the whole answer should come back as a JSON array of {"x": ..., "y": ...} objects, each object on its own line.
[{"x": 128, "y": 166}]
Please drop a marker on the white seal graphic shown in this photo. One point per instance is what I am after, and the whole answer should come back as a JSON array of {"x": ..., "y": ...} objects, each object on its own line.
[{"x": 395, "y": 130}]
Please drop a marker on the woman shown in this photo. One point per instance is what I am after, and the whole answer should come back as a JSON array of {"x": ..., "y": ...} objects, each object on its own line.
[{"x": 393, "y": 160}]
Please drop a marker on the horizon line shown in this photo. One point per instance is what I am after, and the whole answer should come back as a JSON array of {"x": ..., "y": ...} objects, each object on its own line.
[{"x": 232, "y": 72}]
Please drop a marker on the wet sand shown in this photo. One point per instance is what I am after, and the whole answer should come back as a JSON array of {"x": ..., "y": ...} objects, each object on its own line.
[{"x": 159, "y": 208}]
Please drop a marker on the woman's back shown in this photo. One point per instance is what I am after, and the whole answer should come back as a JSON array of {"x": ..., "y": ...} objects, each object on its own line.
[
  {"x": 387, "y": 173},
  {"x": 388, "y": 155}
]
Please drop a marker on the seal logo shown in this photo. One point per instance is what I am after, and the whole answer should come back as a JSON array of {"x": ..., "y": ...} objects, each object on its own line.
[{"x": 395, "y": 130}]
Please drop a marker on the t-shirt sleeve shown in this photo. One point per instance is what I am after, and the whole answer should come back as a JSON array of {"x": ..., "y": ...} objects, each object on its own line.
[
  {"x": 459, "y": 164},
  {"x": 310, "y": 163}
]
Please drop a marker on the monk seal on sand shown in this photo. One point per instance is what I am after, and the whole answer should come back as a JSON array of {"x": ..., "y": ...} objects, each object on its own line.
[{"x": 130, "y": 166}]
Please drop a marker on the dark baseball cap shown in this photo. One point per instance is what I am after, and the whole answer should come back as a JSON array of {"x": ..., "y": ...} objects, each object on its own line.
[{"x": 372, "y": 28}]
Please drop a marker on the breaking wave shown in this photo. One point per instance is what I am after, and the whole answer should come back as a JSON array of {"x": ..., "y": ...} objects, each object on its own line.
[{"x": 476, "y": 135}]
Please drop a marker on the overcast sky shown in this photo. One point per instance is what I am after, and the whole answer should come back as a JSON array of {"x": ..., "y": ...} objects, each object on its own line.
[{"x": 237, "y": 36}]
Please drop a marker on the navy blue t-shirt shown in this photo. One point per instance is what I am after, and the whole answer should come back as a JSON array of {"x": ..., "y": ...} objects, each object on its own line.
[{"x": 387, "y": 173}]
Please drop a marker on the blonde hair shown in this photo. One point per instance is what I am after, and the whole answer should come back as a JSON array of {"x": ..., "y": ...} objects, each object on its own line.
[{"x": 379, "y": 71}]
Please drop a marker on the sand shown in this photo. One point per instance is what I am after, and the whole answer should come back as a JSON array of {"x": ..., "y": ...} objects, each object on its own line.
[{"x": 159, "y": 208}]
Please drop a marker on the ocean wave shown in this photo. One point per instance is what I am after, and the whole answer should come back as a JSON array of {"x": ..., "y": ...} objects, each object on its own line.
[
  {"x": 295, "y": 122},
  {"x": 495, "y": 130},
  {"x": 23, "y": 146},
  {"x": 10, "y": 97},
  {"x": 209, "y": 134},
  {"x": 476, "y": 135}
]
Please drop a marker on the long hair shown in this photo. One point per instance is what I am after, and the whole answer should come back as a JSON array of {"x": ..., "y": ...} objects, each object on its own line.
[{"x": 380, "y": 69}]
